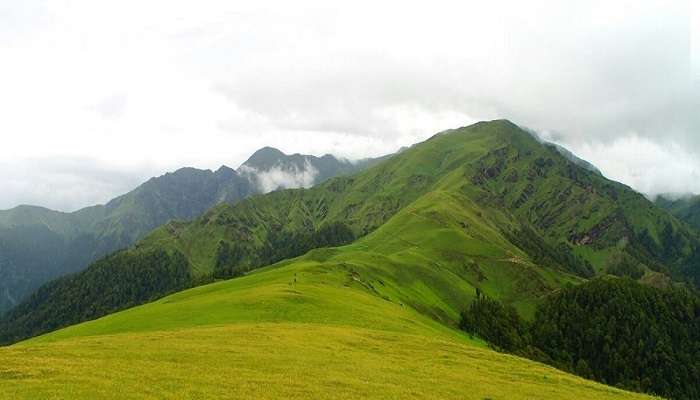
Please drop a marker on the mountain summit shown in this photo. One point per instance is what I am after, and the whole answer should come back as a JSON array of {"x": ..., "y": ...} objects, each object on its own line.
[{"x": 265, "y": 158}]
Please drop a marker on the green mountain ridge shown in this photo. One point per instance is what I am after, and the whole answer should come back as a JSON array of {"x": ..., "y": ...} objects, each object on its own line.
[
  {"x": 503, "y": 204},
  {"x": 484, "y": 207}
]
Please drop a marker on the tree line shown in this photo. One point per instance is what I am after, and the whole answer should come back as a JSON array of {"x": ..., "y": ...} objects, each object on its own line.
[{"x": 121, "y": 280}]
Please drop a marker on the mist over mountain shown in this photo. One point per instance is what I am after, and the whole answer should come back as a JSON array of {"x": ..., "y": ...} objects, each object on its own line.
[{"x": 269, "y": 169}]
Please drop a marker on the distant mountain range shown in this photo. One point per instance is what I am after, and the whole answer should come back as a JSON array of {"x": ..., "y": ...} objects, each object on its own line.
[{"x": 38, "y": 244}]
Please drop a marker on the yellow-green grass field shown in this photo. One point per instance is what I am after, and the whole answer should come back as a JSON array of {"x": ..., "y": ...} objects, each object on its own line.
[
  {"x": 303, "y": 329},
  {"x": 280, "y": 360}
]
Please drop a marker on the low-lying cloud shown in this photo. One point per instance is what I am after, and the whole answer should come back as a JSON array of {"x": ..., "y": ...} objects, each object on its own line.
[{"x": 281, "y": 176}]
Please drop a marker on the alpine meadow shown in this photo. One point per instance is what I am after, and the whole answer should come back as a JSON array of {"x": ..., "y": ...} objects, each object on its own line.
[{"x": 350, "y": 200}]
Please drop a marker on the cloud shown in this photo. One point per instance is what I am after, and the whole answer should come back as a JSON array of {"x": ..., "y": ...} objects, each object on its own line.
[
  {"x": 592, "y": 76},
  {"x": 646, "y": 165},
  {"x": 281, "y": 177},
  {"x": 111, "y": 107},
  {"x": 67, "y": 184},
  {"x": 586, "y": 71}
]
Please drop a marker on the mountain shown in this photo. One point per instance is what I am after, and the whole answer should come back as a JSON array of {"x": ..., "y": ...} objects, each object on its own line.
[
  {"x": 684, "y": 207},
  {"x": 402, "y": 247},
  {"x": 38, "y": 244},
  {"x": 375, "y": 318},
  {"x": 537, "y": 198}
]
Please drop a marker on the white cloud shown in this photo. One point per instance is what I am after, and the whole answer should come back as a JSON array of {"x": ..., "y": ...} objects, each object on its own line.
[
  {"x": 66, "y": 183},
  {"x": 645, "y": 165},
  {"x": 111, "y": 107},
  {"x": 695, "y": 41},
  {"x": 281, "y": 177}
]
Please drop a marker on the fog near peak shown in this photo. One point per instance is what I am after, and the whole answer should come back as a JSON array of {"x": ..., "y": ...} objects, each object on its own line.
[{"x": 281, "y": 176}]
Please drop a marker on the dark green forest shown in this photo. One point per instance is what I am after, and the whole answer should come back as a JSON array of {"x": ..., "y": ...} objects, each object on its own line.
[
  {"x": 113, "y": 283},
  {"x": 614, "y": 331},
  {"x": 542, "y": 253},
  {"x": 281, "y": 245}
]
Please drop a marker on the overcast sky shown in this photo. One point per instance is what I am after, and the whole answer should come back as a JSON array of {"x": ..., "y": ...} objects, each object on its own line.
[{"x": 97, "y": 96}]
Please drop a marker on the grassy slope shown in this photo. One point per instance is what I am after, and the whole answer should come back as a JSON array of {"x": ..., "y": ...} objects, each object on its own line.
[
  {"x": 302, "y": 329},
  {"x": 272, "y": 361}
]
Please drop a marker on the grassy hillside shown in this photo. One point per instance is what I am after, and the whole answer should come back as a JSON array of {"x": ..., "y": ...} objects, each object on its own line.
[{"x": 315, "y": 327}]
